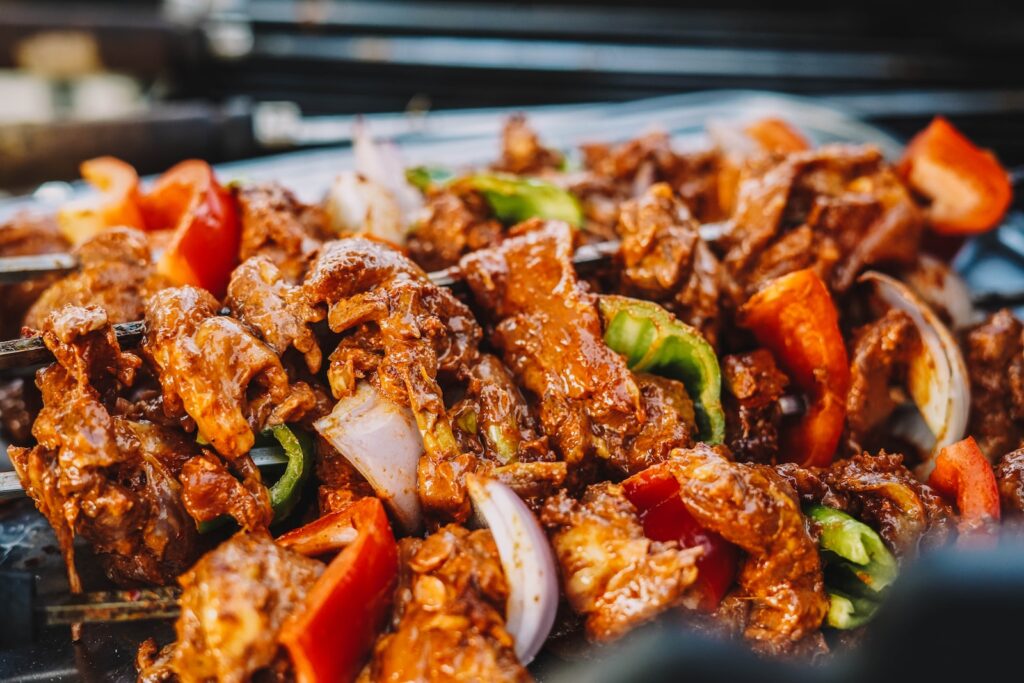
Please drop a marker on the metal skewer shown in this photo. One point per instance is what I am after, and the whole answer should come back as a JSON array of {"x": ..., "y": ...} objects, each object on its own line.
[
  {"x": 21, "y": 268},
  {"x": 23, "y": 614},
  {"x": 264, "y": 456},
  {"x": 21, "y": 353}
]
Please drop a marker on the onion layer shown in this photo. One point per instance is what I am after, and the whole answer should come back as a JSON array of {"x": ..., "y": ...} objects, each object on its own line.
[
  {"x": 356, "y": 204},
  {"x": 381, "y": 440},
  {"x": 942, "y": 289},
  {"x": 937, "y": 377},
  {"x": 381, "y": 162},
  {"x": 527, "y": 560}
]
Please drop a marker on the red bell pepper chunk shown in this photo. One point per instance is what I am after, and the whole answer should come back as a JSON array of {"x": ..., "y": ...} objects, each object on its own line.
[
  {"x": 775, "y": 135},
  {"x": 969, "y": 189},
  {"x": 795, "y": 318},
  {"x": 655, "y": 494},
  {"x": 117, "y": 206},
  {"x": 204, "y": 248},
  {"x": 330, "y": 640},
  {"x": 963, "y": 474}
]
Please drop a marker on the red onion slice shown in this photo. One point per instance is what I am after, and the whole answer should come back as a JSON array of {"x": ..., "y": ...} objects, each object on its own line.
[
  {"x": 527, "y": 560},
  {"x": 937, "y": 377},
  {"x": 381, "y": 440}
]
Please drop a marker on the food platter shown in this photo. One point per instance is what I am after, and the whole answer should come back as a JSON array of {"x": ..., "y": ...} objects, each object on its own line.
[{"x": 989, "y": 264}]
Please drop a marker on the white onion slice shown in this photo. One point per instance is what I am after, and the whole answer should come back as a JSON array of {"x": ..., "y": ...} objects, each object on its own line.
[
  {"x": 941, "y": 287},
  {"x": 381, "y": 162},
  {"x": 381, "y": 440},
  {"x": 937, "y": 377},
  {"x": 527, "y": 560},
  {"x": 730, "y": 138},
  {"x": 356, "y": 204}
]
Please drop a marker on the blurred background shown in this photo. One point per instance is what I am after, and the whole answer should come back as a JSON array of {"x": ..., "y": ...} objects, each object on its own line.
[{"x": 154, "y": 81}]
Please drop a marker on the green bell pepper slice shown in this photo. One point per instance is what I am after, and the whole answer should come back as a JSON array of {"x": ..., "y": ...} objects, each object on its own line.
[
  {"x": 846, "y": 611},
  {"x": 512, "y": 198},
  {"x": 424, "y": 178},
  {"x": 855, "y": 547},
  {"x": 287, "y": 490},
  {"x": 653, "y": 340},
  {"x": 858, "y": 566}
]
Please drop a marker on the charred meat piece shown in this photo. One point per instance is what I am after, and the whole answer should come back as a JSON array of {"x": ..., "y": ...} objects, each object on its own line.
[
  {"x": 448, "y": 623},
  {"x": 838, "y": 209},
  {"x": 212, "y": 368},
  {"x": 753, "y": 385},
  {"x": 755, "y": 508},
  {"x": 116, "y": 274},
  {"x": 1010, "y": 477},
  {"x": 880, "y": 491},
  {"x": 880, "y": 355},
  {"x": 612, "y": 574},
  {"x": 522, "y": 152},
  {"x": 109, "y": 480},
  {"x": 450, "y": 225},
  {"x": 233, "y": 604},
  {"x": 278, "y": 226},
  {"x": 26, "y": 235},
  {"x": 995, "y": 364},
  {"x": 260, "y": 297},
  {"x": 666, "y": 261},
  {"x": 402, "y": 333},
  {"x": 548, "y": 328}
]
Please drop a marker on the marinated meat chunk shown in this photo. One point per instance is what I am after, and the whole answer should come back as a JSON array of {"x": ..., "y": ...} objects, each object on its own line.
[
  {"x": 233, "y": 604},
  {"x": 753, "y": 386},
  {"x": 995, "y": 363},
  {"x": 340, "y": 483},
  {"x": 880, "y": 491},
  {"x": 755, "y": 508},
  {"x": 448, "y": 623},
  {"x": 402, "y": 333},
  {"x": 669, "y": 421},
  {"x": 638, "y": 163},
  {"x": 116, "y": 274},
  {"x": 278, "y": 226},
  {"x": 260, "y": 297},
  {"x": 26, "y": 235},
  {"x": 212, "y": 368},
  {"x": 450, "y": 225},
  {"x": 665, "y": 260},
  {"x": 629, "y": 169},
  {"x": 1010, "y": 477},
  {"x": 494, "y": 419},
  {"x": 211, "y": 489},
  {"x": 549, "y": 330},
  {"x": 612, "y": 574},
  {"x": 838, "y": 209},
  {"x": 99, "y": 476},
  {"x": 522, "y": 152},
  {"x": 881, "y": 353}
]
